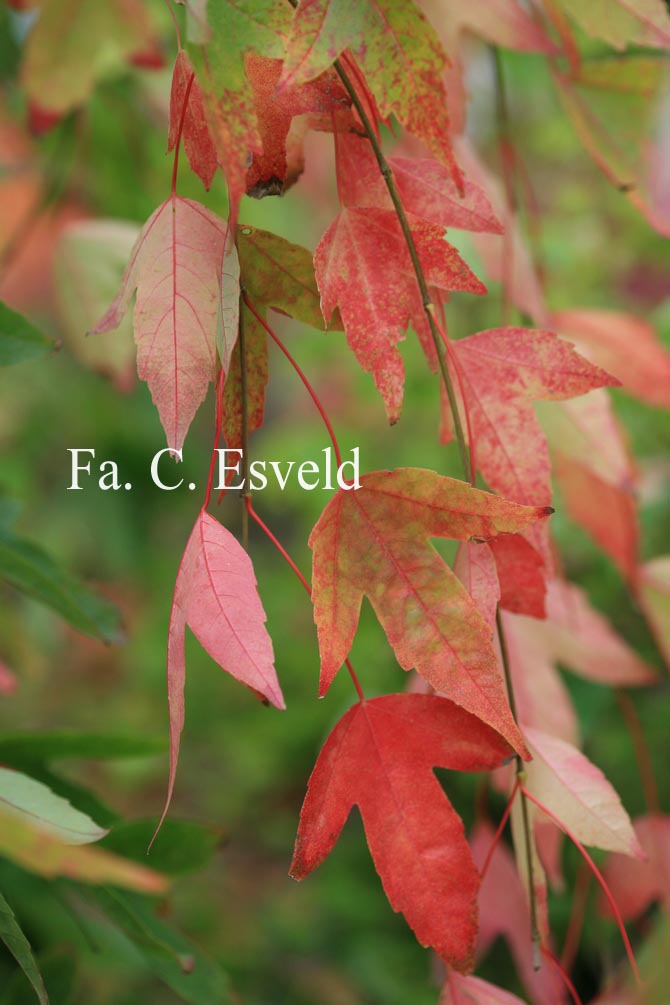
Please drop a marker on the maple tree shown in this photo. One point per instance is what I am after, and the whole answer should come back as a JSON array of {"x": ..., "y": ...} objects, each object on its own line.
[{"x": 483, "y": 630}]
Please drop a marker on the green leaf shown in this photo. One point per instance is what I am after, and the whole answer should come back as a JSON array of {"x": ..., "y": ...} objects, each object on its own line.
[
  {"x": 174, "y": 960},
  {"x": 18, "y": 945},
  {"x": 279, "y": 274},
  {"x": 182, "y": 846},
  {"x": 30, "y": 569},
  {"x": 35, "y": 803},
  {"x": 88, "y": 746},
  {"x": 19, "y": 339}
]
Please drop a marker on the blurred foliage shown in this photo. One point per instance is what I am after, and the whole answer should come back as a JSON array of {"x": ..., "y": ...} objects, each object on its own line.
[{"x": 244, "y": 767}]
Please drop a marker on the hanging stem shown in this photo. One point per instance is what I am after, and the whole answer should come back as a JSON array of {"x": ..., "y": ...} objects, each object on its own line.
[
  {"x": 565, "y": 977},
  {"x": 525, "y": 816},
  {"x": 175, "y": 23},
  {"x": 244, "y": 465},
  {"x": 501, "y": 827},
  {"x": 312, "y": 393},
  {"x": 426, "y": 300},
  {"x": 217, "y": 435},
  {"x": 285, "y": 555},
  {"x": 598, "y": 875}
]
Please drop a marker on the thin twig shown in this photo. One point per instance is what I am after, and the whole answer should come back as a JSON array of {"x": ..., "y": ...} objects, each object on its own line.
[
  {"x": 525, "y": 816},
  {"x": 426, "y": 300},
  {"x": 244, "y": 464}
]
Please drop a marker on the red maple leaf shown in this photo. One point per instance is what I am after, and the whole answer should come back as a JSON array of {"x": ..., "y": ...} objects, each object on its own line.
[{"x": 380, "y": 758}]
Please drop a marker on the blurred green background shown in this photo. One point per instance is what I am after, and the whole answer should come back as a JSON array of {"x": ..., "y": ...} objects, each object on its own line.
[{"x": 243, "y": 769}]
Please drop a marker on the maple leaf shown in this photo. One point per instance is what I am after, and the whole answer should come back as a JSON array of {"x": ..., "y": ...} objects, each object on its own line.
[
  {"x": 320, "y": 99},
  {"x": 374, "y": 541},
  {"x": 577, "y": 793},
  {"x": 379, "y": 757},
  {"x": 426, "y": 188},
  {"x": 605, "y": 337},
  {"x": 577, "y": 637},
  {"x": 505, "y": 571},
  {"x": 67, "y": 53},
  {"x": 398, "y": 52},
  {"x": 636, "y": 885},
  {"x": 279, "y": 274},
  {"x": 256, "y": 26},
  {"x": 504, "y": 23},
  {"x": 476, "y": 568},
  {"x": 595, "y": 473},
  {"x": 503, "y": 371},
  {"x": 195, "y": 134},
  {"x": 175, "y": 267},
  {"x": 621, "y": 23},
  {"x": 634, "y": 160},
  {"x": 377, "y": 303},
  {"x": 275, "y": 274},
  {"x": 215, "y": 595},
  {"x": 506, "y": 258}
]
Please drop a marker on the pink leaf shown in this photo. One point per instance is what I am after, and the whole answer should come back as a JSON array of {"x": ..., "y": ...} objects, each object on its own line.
[
  {"x": 503, "y": 910},
  {"x": 215, "y": 595},
  {"x": 636, "y": 885},
  {"x": 578, "y": 794},
  {"x": 459, "y": 990},
  {"x": 175, "y": 267},
  {"x": 625, "y": 346}
]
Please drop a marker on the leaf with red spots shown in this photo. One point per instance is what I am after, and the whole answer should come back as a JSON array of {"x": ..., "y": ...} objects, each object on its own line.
[
  {"x": 270, "y": 171},
  {"x": 363, "y": 266},
  {"x": 235, "y": 30},
  {"x": 175, "y": 267},
  {"x": 380, "y": 758},
  {"x": 215, "y": 595},
  {"x": 374, "y": 541},
  {"x": 196, "y": 137},
  {"x": 504, "y": 371},
  {"x": 398, "y": 52},
  {"x": 425, "y": 186}
]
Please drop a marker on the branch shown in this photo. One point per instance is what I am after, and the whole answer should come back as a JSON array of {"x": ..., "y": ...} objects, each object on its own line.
[{"x": 426, "y": 300}]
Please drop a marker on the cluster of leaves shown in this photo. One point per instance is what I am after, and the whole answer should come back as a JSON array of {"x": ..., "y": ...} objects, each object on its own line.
[{"x": 483, "y": 635}]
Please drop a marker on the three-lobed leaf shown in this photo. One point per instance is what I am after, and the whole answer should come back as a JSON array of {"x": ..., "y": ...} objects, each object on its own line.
[
  {"x": 380, "y": 757},
  {"x": 374, "y": 541}
]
